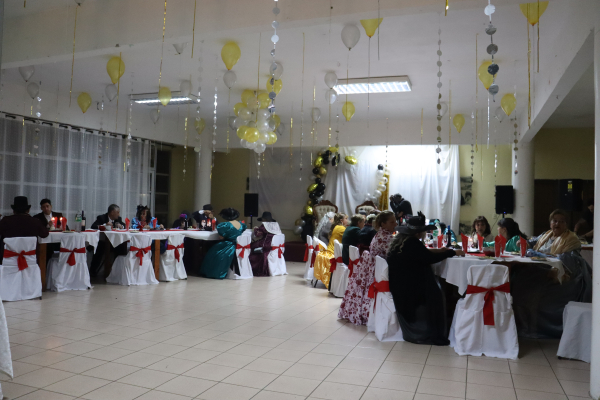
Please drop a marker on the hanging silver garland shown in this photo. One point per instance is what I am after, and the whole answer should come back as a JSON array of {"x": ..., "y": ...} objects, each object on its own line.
[{"x": 439, "y": 104}]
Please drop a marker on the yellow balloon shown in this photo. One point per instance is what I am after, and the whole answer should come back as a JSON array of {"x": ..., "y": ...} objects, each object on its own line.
[
  {"x": 84, "y": 101},
  {"x": 164, "y": 95},
  {"x": 333, "y": 149},
  {"x": 277, "y": 120},
  {"x": 246, "y": 94},
  {"x": 459, "y": 122},
  {"x": 508, "y": 103},
  {"x": 272, "y": 138},
  {"x": 318, "y": 162},
  {"x": 241, "y": 132},
  {"x": 533, "y": 11},
  {"x": 322, "y": 171},
  {"x": 484, "y": 75},
  {"x": 238, "y": 107},
  {"x": 264, "y": 100},
  {"x": 275, "y": 87},
  {"x": 115, "y": 68},
  {"x": 348, "y": 110},
  {"x": 200, "y": 125},
  {"x": 371, "y": 25},
  {"x": 351, "y": 160},
  {"x": 251, "y": 135},
  {"x": 308, "y": 210},
  {"x": 312, "y": 187},
  {"x": 230, "y": 54}
]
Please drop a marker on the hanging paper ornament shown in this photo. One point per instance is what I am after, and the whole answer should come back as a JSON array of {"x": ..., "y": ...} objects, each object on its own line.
[
  {"x": 533, "y": 11},
  {"x": 276, "y": 70},
  {"x": 275, "y": 87},
  {"x": 115, "y": 68},
  {"x": 33, "y": 89},
  {"x": 351, "y": 160},
  {"x": 508, "y": 103},
  {"x": 230, "y": 78},
  {"x": 263, "y": 100},
  {"x": 237, "y": 108},
  {"x": 370, "y": 25},
  {"x": 179, "y": 47},
  {"x": 247, "y": 94},
  {"x": 230, "y": 53},
  {"x": 185, "y": 88},
  {"x": 484, "y": 75},
  {"x": 164, "y": 95},
  {"x": 111, "y": 92},
  {"x": 154, "y": 115},
  {"x": 84, "y": 101},
  {"x": 458, "y": 121},
  {"x": 350, "y": 36},
  {"x": 199, "y": 124},
  {"x": 331, "y": 80},
  {"x": 348, "y": 110},
  {"x": 27, "y": 72}
]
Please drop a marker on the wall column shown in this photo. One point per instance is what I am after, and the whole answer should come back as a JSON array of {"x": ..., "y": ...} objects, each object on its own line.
[
  {"x": 523, "y": 183},
  {"x": 203, "y": 171}
]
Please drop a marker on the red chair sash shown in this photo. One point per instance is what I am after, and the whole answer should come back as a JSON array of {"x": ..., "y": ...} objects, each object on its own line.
[
  {"x": 280, "y": 249},
  {"x": 351, "y": 266},
  {"x": 334, "y": 262},
  {"x": 378, "y": 287},
  {"x": 306, "y": 251},
  {"x": 176, "y": 248},
  {"x": 71, "y": 260},
  {"x": 488, "y": 305},
  {"x": 243, "y": 248},
  {"x": 140, "y": 252},
  {"x": 314, "y": 256},
  {"x": 21, "y": 260}
]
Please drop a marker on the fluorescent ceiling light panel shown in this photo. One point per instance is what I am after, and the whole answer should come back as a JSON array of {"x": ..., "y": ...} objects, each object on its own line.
[
  {"x": 152, "y": 98},
  {"x": 155, "y": 101},
  {"x": 387, "y": 84}
]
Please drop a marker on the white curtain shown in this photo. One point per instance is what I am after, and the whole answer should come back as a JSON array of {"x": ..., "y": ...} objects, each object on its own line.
[
  {"x": 431, "y": 188},
  {"x": 76, "y": 169}
]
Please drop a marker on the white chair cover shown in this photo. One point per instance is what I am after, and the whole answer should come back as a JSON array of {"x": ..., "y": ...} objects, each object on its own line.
[
  {"x": 468, "y": 334},
  {"x": 60, "y": 275},
  {"x": 247, "y": 232},
  {"x": 18, "y": 285},
  {"x": 243, "y": 259},
  {"x": 382, "y": 311},
  {"x": 6, "y": 366},
  {"x": 308, "y": 269},
  {"x": 127, "y": 270},
  {"x": 172, "y": 269},
  {"x": 276, "y": 259},
  {"x": 576, "y": 340},
  {"x": 339, "y": 277}
]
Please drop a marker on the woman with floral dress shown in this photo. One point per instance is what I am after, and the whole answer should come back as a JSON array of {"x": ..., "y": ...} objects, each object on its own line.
[{"x": 355, "y": 306}]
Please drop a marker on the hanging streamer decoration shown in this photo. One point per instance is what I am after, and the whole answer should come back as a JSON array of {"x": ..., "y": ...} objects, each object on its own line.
[
  {"x": 370, "y": 26},
  {"x": 73, "y": 60},
  {"x": 214, "y": 134},
  {"x": 194, "y": 29},
  {"x": 438, "y": 150},
  {"x": 516, "y": 142},
  {"x": 198, "y": 102},
  {"x": 302, "y": 103},
  {"x": 161, "y": 54}
]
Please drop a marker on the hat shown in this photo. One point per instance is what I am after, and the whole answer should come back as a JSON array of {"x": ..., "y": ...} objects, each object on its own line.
[
  {"x": 415, "y": 224},
  {"x": 207, "y": 207},
  {"x": 266, "y": 217},
  {"x": 21, "y": 203},
  {"x": 229, "y": 214}
]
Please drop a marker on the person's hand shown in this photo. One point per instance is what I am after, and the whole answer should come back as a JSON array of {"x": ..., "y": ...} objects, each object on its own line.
[
  {"x": 459, "y": 253},
  {"x": 161, "y": 227},
  {"x": 109, "y": 224},
  {"x": 119, "y": 226}
]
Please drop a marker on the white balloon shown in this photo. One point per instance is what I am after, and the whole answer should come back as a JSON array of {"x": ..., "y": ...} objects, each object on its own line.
[
  {"x": 377, "y": 193},
  {"x": 185, "y": 88},
  {"x": 263, "y": 126},
  {"x": 385, "y": 180},
  {"x": 238, "y": 122},
  {"x": 263, "y": 114},
  {"x": 231, "y": 122},
  {"x": 331, "y": 80},
  {"x": 272, "y": 124},
  {"x": 33, "y": 89},
  {"x": 251, "y": 146},
  {"x": 260, "y": 148},
  {"x": 251, "y": 124},
  {"x": 178, "y": 46},
  {"x": 331, "y": 96},
  {"x": 379, "y": 174},
  {"x": 444, "y": 109},
  {"x": 243, "y": 143},
  {"x": 27, "y": 72},
  {"x": 381, "y": 188},
  {"x": 230, "y": 78},
  {"x": 316, "y": 114},
  {"x": 350, "y": 36},
  {"x": 111, "y": 92},
  {"x": 276, "y": 70},
  {"x": 245, "y": 114},
  {"x": 281, "y": 128},
  {"x": 263, "y": 137},
  {"x": 154, "y": 115},
  {"x": 499, "y": 113},
  {"x": 369, "y": 195},
  {"x": 353, "y": 153}
]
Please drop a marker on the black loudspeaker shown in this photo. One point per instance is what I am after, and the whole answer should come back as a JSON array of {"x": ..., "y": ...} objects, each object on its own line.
[
  {"x": 251, "y": 205},
  {"x": 570, "y": 194},
  {"x": 505, "y": 200}
]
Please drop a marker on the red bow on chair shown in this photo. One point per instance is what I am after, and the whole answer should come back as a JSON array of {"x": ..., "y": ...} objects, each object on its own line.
[
  {"x": 243, "y": 248},
  {"x": 21, "y": 261},
  {"x": 488, "y": 305},
  {"x": 71, "y": 260},
  {"x": 378, "y": 287},
  {"x": 314, "y": 256},
  {"x": 176, "y": 248},
  {"x": 307, "y": 250},
  {"x": 334, "y": 263},
  {"x": 351, "y": 266},
  {"x": 279, "y": 249},
  {"x": 140, "y": 252}
]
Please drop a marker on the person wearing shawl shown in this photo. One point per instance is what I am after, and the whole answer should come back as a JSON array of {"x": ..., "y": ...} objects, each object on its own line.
[
  {"x": 559, "y": 239},
  {"x": 509, "y": 230},
  {"x": 323, "y": 259},
  {"x": 221, "y": 256},
  {"x": 143, "y": 219},
  {"x": 261, "y": 244},
  {"x": 324, "y": 227},
  {"x": 418, "y": 297}
]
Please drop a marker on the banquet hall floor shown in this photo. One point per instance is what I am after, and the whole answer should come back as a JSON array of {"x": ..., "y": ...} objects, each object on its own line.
[{"x": 262, "y": 339}]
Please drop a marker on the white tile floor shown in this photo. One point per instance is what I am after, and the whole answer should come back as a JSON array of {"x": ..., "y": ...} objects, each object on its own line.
[{"x": 261, "y": 339}]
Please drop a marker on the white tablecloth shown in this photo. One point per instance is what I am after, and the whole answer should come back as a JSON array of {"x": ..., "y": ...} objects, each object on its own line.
[
  {"x": 91, "y": 238},
  {"x": 454, "y": 270},
  {"x": 576, "y": 340},
  {"x": 116, "y": 237},
  {"x": 201, "y": 235}
]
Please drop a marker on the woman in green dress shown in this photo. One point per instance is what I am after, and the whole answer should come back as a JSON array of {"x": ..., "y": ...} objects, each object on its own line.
[
  {"x": 220, "y": 257},
  {"x": 508, "y": 228}
]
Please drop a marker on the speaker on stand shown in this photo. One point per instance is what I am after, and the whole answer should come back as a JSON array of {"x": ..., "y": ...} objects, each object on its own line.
[
  {"x": 505, "y": 199},
  {"x": 251, "y": 206}
]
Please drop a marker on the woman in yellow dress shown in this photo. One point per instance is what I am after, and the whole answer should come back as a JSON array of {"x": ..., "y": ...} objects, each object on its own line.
[{"x": 322, "y": 262}]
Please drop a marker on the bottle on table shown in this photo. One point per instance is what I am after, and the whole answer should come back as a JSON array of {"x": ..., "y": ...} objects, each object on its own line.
[
  {"x": 82, "y": 221},
  {"x": 449, "y": 237}
]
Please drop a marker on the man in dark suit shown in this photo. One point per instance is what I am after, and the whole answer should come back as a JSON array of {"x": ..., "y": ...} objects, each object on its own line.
[
  {"x": 113, "y": 219},
  {"x": 47, "y": 214}
]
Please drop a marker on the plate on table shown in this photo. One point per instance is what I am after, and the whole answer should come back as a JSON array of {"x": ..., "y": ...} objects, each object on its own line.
[
  {"x": 539, "y": 258},
  {"x": 134, "y": 230}
]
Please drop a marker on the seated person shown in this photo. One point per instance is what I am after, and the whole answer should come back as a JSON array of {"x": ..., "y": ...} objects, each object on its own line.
[
  {"x": 584, "y": 228},
  {"x": 261, "y": 244},
  {"x": 401, "y": 207},
  {"x": 322, "y": 261},
  {"x": 180, "y": 223},
  {"x": 418, "y": 297},
  {"x": 47, "y": 214},
  {"x": 509, "y": 230},
  {"x": 367, "y": 233},
  {"x": 113, "y": 219},
  {"x": 324, "y": 227},
  {"x": 559, "y": 239},
  {"x": 351, "y": 236},
  {"x": 204, "y": 218},
  {"x": 143, "y": 219},
  {"x": 481, "y": 227},
  {"x": 221, "y": 257}
]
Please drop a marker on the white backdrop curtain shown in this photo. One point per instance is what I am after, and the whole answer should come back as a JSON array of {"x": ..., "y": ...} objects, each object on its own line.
[
  {"x": 76, "y": 170},
  {"x": 431, "y": 188}
]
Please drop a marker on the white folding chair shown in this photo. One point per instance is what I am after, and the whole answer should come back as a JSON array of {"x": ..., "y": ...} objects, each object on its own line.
[
  {"x": 339, "y": 274},
  {"x": 354, "y": 258},
  {"x": 576, "y": 340},
  {"x": 69, "y": 271},
  {"x": 135, "y": 268},
  {"x": 276, "y": 259},
  {"x": 308, "y": 269},
  {"x": 483, "y": 321},
  {"x": 6, "y": 366},
  {"x": 171, "y": 261},
  {"x": 247, "y": 232},
  {"x": 382, "y": 312},
  {"x": 242, "y": 252},
  {"x": 20, "y": 276},
  {"x": 318, "y": 246}
]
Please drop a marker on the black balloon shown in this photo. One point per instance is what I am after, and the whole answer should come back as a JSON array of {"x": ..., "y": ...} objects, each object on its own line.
[
  {"x": 313, "y": 195},
  {"x": 321, "y": 187},
  {"x": 327, "y": 153},
  {"x": 326, "y": 161},
  {"x": 318, "y": 180},
  {"x": 315, "y": 171},
  {"x": 334, "y": 161},
  {"x": 380, "y": 167}
]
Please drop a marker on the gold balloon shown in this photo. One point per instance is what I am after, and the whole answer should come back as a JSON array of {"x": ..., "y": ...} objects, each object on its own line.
[
  {"x": 318, "y": 162},
  {"x": 264, "y": 100},
  {"x": 199, "y": 125},
  {"x": 277, "y": 120},
  {"x": 322, "y": 171},
  {"x": 308, "y": 210},
  {"x": 246, "y": 94},
  {"x": 348, "y": 110},
  {"x": 351, "y": 160},
  {"x": 312, "y": 187},
  {"x": 84, "y": 101},
  {"x": 275, "y": 87},
  {"x": 309, "y": 203},
  {"x": 230, "y": 53},
  {"x": 272, "y": 138},
  {"x": 164, "y": 95},
  {"x": 251, "y": 135},
  {"x": 237, "y": 108},
  {"x": 484, "y": 75},
  {"x": 115, "y": 68},
  {"x": 333, "y": 149},
  {"x": 459, "y": 122},
  {"x": 533, "y": 11},
  {"x": 508, "y": 103},
  {"x": 241, "y": 132},
  {"x": 371, "y": 25}
]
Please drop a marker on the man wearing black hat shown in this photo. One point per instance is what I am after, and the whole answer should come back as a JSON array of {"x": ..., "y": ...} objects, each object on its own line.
[
  {"x": 20, "y": 224},
  {"x": 204, "y": 218},
  {"x": 262, "y": 236}
]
